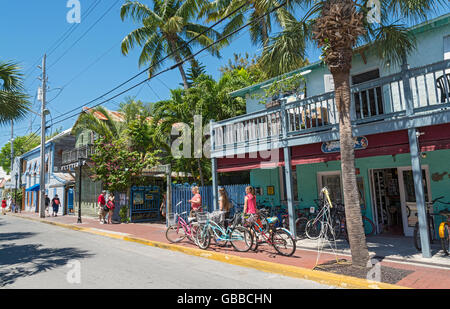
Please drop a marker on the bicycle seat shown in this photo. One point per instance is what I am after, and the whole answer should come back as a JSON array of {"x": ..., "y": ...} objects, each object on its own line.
[{"x": 190, "y": 219}]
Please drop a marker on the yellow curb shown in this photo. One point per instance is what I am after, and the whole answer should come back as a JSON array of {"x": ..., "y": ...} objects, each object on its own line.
[{"x": 270, "y": 267}]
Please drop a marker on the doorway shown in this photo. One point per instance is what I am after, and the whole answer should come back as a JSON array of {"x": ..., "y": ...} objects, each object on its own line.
[
  {"x": 387, "y": 201},
  {"x": 394, "y": 199},
  {"x": 408, "y": 196}
]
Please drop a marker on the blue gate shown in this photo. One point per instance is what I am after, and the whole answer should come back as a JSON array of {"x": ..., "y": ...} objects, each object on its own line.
[{"x": 144, "y": 204}]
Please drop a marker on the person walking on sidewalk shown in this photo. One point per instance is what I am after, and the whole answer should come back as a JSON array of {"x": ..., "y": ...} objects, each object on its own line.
[
  {"x": 47, "y": 204},
  {"x": 55, "y": 205},
  {"x": 110, "y": 205},
  {"x": 162, "y": 208},
  {"x": 4, "y": 207},
  {"x": 196, "y": 202},
  {"x": 101, "y": 202}
]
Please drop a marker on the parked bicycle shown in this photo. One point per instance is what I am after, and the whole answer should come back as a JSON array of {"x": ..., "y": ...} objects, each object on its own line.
[
  {"x": 324, "y": 224},
  {"x": 279, "y": 238},
  {"x": 210, "y": 226},
  {"x": 443, "y": 227},
  {"x": 179, "y": 228}
]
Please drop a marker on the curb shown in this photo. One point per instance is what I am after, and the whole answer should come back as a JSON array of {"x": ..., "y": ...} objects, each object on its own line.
[{"x": 321, "y": 277}]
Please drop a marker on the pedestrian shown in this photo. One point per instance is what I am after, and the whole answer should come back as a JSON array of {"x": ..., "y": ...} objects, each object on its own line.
[
  {"x": 47, "y": 204},
  {"x": 196, "y": 202},
  {"x": 101, "y": 202},
  {"x": 55, "y": 205},
  {"x": 110, "y": 205},
  {"x": 224, "y": 204},
  {"x": 4, "y": 207},
  {"x": 250, "y": 201}
]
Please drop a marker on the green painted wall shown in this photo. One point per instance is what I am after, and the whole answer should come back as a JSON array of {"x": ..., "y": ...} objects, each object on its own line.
[
  {"x": 438, "y": 163},
  {"x": 264, "y": 178}
]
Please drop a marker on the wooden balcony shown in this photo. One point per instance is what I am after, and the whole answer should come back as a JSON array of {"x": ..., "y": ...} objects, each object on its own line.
[
  {"x": 412, "y": 98},
  {"x": 72, "y": 156}
]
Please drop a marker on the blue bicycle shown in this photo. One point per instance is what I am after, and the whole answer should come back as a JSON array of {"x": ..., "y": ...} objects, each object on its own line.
[{"x": 210, "y": 227}]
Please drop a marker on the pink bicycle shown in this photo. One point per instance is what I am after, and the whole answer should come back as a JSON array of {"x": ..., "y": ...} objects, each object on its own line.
[{"x": 179, "y": 229}]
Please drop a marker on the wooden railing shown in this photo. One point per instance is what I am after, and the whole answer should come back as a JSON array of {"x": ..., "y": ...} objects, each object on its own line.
[{"x": 428, "y": 91}]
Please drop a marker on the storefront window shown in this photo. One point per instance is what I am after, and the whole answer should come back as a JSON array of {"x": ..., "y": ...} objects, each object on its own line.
[{"x": 333, "y": 183}]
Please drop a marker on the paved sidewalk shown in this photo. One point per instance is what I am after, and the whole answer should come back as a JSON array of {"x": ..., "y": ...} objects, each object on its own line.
[{"x": 395, "y": 253}]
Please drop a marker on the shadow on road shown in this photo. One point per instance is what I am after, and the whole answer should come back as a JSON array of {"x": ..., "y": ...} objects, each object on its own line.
[
  {"x": 15, "y": 236},
  {"x": 18, "y": 261}
]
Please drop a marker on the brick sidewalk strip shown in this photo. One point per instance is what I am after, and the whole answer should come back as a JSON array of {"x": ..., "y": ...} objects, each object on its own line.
[{"x": 300, "y": 265}]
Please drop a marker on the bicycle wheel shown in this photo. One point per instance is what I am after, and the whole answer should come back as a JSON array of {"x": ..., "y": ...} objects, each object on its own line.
[
  {"x": 256, "y": 237},
  {"x": 219, "y": 236},
  {"x": 193, "y": 230},
  {"x": 283, "y": 242},
  {"x": 300, "y": 226},
  {"x": 417, "y": 241},
  {"x": 445, "y": 241},
  {"x": 241, "y": 239},
  {"x": 175, "y": 233},
  {"x": 203, "y": 238},
  {"x": 334, "y": 231},
  {"x": 312, "y": 229},
  {"x": 369, "y": 226}
]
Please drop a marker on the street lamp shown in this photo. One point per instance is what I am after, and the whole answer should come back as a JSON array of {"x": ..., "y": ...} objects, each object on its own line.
[
  {"x": 15, "y": 195},
  {"x": 80, "y": 164}
]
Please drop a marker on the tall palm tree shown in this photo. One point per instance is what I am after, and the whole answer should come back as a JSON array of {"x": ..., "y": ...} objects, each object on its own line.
[
  {"x": 164, "y": 31},
  {"x": 338, "y": 26},
  {"x": 260, "y": 27},
  {"x": 14, "y": 101}
]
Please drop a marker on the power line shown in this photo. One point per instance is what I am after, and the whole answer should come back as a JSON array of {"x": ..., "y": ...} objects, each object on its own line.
[
  {"x": 164, "y": 58},
  {"x": 84, "y": 34},
  {"x": 61, "y": 39},
  {"x": 179, "y": 63}
]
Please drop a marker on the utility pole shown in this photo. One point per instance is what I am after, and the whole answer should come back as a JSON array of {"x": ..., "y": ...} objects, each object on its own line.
[{"x": 42, "y": 171}]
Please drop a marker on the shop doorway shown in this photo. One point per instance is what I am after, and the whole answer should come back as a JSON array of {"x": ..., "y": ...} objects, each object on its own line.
[
  {"x": 394, "y": 199},
  {"x": 408, "y": 196},
  {"x": 387, "y": 201}
]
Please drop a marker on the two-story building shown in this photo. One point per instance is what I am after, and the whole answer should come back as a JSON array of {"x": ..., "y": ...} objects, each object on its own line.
[
  {"x": 56, "y": 181},
  {"x": 400, "y": 120},
  {"x": 83, "y": 149}
]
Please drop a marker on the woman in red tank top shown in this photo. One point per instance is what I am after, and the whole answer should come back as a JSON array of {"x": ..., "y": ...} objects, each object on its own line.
[{"x": 250, "y": 201}]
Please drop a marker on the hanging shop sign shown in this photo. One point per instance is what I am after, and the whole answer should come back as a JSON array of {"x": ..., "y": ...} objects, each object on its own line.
[{"x": 334, "y": 146}]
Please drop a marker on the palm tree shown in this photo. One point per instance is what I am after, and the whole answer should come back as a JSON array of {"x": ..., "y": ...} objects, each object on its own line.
[
  {"x": 165, "y": 31},
  {"x": 338, "y": 26},
  {"x": 99, "y": 121},
  {"x": 13, "y": 101},
  {"x": 260, "y": 27}
]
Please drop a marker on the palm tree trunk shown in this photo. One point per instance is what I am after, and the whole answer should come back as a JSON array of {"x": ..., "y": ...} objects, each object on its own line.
[
  {"x": 180, "y": 66},
  {"x": 200, "y": 172},
  {"x": 357, "y": 238}
]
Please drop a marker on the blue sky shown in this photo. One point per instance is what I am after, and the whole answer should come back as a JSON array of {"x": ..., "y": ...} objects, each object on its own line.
[{"x": 30, "y": 28}]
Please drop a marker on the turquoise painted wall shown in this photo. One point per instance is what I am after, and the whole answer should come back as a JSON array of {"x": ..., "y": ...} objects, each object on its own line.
[
  {"x": 438, "y": 163},
  {"x": 263, "y": 178}
]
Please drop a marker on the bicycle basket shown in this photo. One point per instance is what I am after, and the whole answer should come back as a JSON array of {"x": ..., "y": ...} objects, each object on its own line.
[
  {"x": 248, "y": 219},
  {"x": 202, "y": 217},
  {"x": 217, "y": 216},
  {"x": 172, "y": 218}
]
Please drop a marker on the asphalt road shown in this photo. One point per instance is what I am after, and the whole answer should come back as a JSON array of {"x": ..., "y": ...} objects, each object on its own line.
[{"x": 40, "y": 256}]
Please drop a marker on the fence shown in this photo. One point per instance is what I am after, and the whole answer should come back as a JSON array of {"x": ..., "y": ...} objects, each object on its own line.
[{"x": 182, "y": 193}]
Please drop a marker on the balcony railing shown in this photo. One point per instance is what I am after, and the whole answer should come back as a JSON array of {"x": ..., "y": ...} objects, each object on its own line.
[
  {"x": 390, "y": 97},
  {"x": 72, "y": 156}
]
